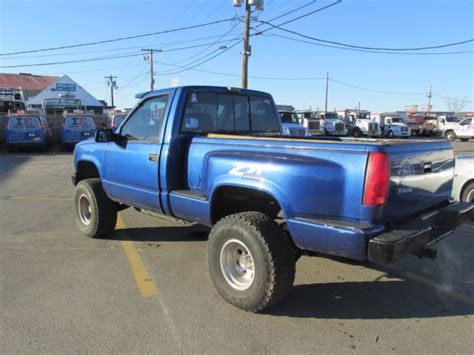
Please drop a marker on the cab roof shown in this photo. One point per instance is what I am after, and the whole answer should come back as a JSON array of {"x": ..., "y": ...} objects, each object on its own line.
[{"x": 217, "y": 89}]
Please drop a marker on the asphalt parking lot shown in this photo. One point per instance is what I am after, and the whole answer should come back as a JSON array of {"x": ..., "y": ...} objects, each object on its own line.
[{"x": 147, "y": 289}]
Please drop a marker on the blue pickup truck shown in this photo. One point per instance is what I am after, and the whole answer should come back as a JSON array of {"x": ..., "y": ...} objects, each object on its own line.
[{"x": 217, "y": 156}]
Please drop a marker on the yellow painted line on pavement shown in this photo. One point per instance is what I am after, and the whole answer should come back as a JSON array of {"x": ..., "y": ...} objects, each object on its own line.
[
  {"x": 35, "y": 198},
  {"x": 144, "y": 281}
]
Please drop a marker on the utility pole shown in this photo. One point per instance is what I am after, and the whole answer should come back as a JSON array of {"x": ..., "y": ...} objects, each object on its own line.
[
  {"x": 327, "y": 91},
  {"x": 429, "y": 100},
  {"x": 149, "y": 59},
  {"x": 247, "y": 49},
  {"x": 112, "y": 83}
]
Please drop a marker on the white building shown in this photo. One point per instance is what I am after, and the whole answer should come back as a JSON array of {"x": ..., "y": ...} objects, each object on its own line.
[{"x": 65, "y": 87}]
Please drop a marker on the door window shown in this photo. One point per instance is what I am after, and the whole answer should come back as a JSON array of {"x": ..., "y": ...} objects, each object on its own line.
[{"x": 144, "y": 124}]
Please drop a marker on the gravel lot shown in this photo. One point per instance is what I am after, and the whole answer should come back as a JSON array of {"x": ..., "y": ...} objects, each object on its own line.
[{"x": 61, "y": 292}]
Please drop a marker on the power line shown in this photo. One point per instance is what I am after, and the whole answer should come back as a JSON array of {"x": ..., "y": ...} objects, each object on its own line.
[
  {"x": 205, "y": 61},
  {"x": 161, "y": 45},
  {"x": 120, "y": 38},
  {"x": 131, "y": 54},
  {"x": 337, "y": 2},
  {"x": 377, "y": 91},
  {"x": 439, "y": 46},
  {"x": 364, "y": 50}
]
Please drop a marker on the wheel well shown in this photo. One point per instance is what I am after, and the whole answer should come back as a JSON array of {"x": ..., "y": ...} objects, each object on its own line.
[
  {"x": 86, "y": 170},
  {"x": 464, "y": 187},
  {"x": 230, "y": 199}
]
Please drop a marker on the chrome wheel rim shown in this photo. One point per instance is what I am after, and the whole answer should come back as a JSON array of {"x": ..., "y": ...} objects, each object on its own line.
[
  {"x": 237, "y": 265},
  {"x": 85, "y": 209},
  {"x": 470, "y": 196}
]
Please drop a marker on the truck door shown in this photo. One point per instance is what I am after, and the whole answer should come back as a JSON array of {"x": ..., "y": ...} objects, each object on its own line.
[{"x": 131, "y": 171}]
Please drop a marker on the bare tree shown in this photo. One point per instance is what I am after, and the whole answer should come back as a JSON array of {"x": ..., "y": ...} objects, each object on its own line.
[{"x": 456, "y": 104}]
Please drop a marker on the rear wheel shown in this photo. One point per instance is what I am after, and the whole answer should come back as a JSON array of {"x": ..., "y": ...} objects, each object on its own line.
[
  {"x": 251, "y": 260},
  {"x": 450, "y": 135},
  {"x": 468, "y": 193},
  {"x": 464, "y": 139},
  {"x": 96, "y": 214}
]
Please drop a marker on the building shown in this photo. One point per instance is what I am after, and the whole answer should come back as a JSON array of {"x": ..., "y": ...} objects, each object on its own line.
[{"x": 38, "y": 88}]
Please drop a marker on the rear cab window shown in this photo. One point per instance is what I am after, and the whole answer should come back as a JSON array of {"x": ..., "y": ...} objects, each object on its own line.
[
  {"x": 79, "y": 123},
  {"x": 24, "y": 123},
  {"x": 207, "y": 112}
]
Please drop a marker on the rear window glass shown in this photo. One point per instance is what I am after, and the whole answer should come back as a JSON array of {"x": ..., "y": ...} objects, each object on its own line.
[
  {"x": 212, "y": 112},
  {"x": 79, "y": 122},
  {"x": 23, "y": 123}
]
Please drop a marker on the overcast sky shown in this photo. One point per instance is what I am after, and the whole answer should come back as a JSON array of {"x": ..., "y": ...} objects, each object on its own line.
[{"x": 404, "y": 79}]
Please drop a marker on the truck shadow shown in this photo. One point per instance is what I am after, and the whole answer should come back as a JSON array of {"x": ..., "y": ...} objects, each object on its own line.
[
  {"x": 398, "y": 299},
  {"x": 191, "y": 233}
]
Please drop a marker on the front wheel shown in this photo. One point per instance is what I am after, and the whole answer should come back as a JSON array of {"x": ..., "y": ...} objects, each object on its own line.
[
  {"x": 464, "y": 139},
  {"x": 357, "y": 133},
  {"x": 251, "y": 261},
  {"x": 96, "y": 214},
  {"x": 390, "y": 134}
]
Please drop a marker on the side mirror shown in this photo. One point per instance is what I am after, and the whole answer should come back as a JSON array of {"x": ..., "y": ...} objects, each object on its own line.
[{"x": 104, "y": 136}]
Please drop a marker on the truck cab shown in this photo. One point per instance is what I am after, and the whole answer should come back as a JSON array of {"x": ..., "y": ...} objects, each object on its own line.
[
  {"x": 394, "y": 126},
  {"x": 311, "y": 122},
  {"x": 291, "y": 124},
  {"x": 361, "y": 124},
  {"x": 333, "y": 125},
  {"x": 446, "y": 125}
]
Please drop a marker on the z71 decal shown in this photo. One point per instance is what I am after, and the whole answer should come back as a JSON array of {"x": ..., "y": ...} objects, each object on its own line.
[{"x": 251, "y": 170}]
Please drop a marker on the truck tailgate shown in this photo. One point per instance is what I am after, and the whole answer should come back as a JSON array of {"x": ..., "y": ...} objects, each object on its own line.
[{"x": 421, "y": 175}]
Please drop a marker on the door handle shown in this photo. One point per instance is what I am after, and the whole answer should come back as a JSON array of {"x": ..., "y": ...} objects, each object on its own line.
[{"x": 153, "y": 157}]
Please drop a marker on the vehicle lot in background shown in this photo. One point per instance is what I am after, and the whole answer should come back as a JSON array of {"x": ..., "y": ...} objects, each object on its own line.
[{"x": 62, "y": 292}]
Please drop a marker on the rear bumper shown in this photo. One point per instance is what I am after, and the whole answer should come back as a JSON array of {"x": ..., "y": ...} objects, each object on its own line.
[
  {"x": 362, "y": 241},
  {"x": 419, "y": 233}
]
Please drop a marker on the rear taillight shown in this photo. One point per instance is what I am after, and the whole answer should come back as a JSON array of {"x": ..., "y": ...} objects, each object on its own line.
[{"x": 377, "y": 177}]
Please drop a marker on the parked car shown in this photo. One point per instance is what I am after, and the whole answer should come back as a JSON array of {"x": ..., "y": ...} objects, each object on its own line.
[
  {"x": 463, "y": 131},
  {"x": 77, "y": 128},
  {"x": 463, "y": 183},
  {"x": 27, "y": 131},
  {"x": 217, "y": 156},
  {"x": 116, "y": 120}
]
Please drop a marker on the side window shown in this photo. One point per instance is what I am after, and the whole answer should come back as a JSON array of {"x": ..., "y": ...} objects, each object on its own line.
[
  {"x": 262, "y": 114},
  {"x": 145, "y": 122},
  {"x": 466, "y": 122}
]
